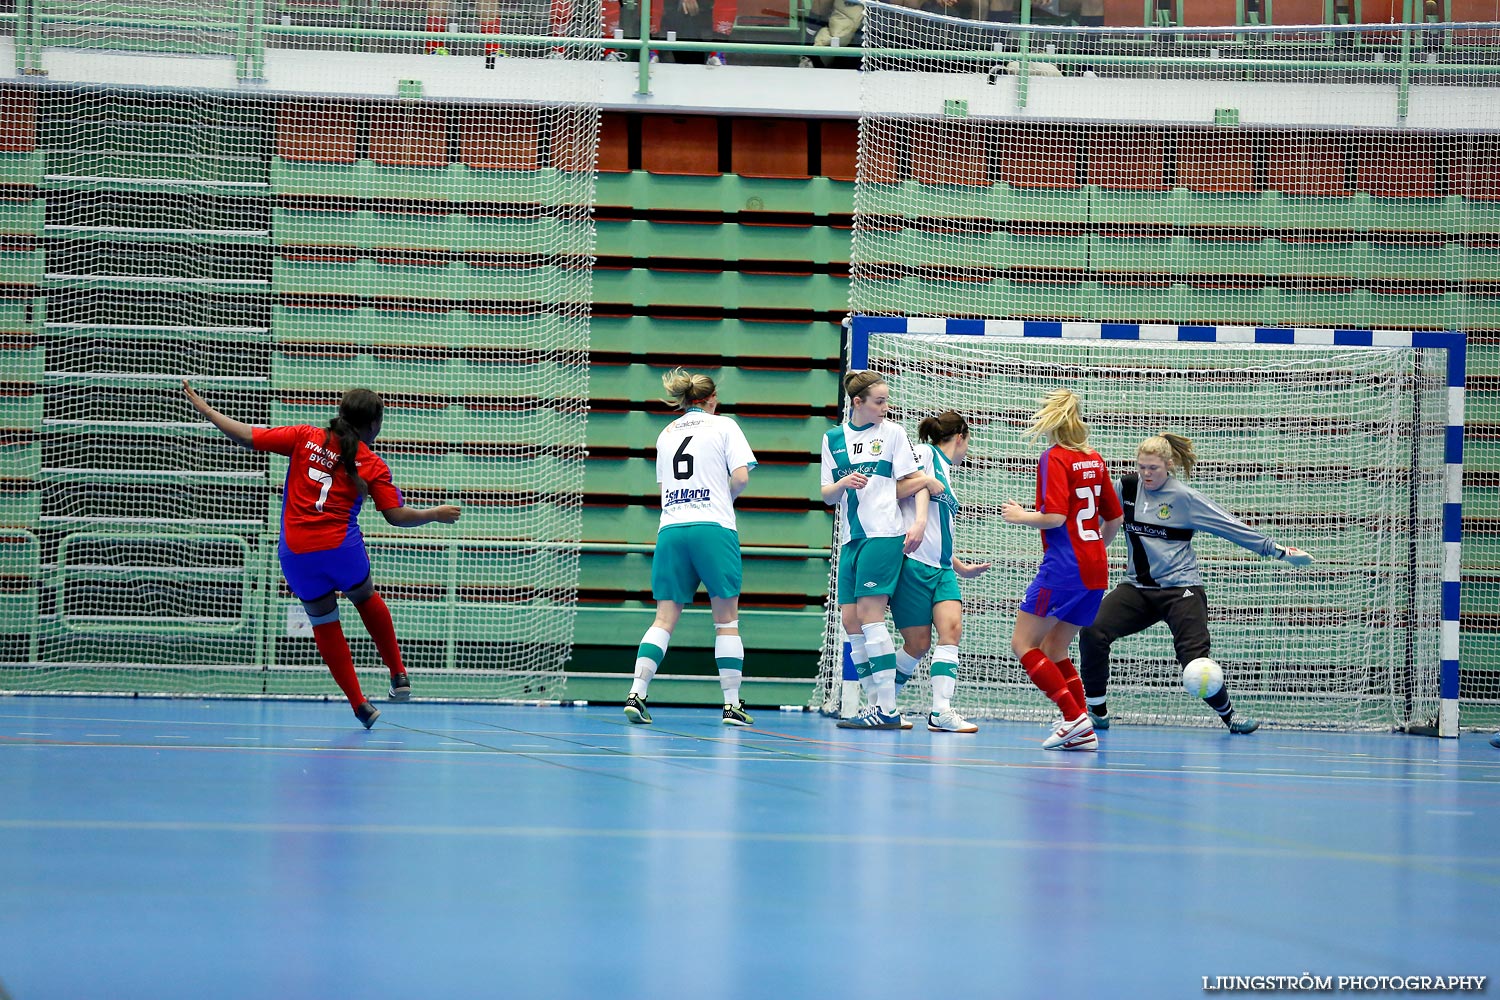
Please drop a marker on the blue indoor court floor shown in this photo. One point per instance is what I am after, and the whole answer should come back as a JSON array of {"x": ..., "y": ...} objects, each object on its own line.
[{"x": 171, "y": 849}]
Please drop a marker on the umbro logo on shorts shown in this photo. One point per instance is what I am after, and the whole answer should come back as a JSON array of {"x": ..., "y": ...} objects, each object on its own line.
[{"x": 870, "y": 584}]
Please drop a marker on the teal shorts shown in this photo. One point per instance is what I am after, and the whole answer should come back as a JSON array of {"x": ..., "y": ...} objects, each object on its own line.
[
  {"x": 869, "y": 567},
  {"x": 689, "y": 554},
  {"x": 920, "y": 589}
]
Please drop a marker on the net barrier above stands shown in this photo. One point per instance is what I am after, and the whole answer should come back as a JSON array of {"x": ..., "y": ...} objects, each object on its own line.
[
  {"x": 1215, "y": 178},
  {"x": 277, "y": 249}
]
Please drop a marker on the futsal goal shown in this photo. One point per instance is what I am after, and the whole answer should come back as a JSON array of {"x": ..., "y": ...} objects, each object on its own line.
[{"x": 1344, "y": 443}]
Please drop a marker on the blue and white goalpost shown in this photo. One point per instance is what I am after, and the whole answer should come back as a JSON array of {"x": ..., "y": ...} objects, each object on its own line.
[{"x": 1346, "y": 443}]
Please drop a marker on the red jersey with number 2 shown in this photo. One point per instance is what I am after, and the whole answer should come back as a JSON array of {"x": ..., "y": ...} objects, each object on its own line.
[
  {"x": 320, "y": 505},
  {"x": 1075, "y": 484}
]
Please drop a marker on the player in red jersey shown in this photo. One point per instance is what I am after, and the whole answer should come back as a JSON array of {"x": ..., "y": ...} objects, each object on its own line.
[
  {"x": 322, "y": 551},
  {"x": 1079, "y": 514}
]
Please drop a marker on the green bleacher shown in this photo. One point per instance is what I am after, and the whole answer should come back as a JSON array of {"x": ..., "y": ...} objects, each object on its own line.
[{"x": 332, "y": 261}]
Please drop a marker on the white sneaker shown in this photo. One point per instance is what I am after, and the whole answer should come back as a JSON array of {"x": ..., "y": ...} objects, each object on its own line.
[
  {"x": 805, "y": 62},
  {"x": 1075, "y": 735},
  {"x": 949, "y": 721}
]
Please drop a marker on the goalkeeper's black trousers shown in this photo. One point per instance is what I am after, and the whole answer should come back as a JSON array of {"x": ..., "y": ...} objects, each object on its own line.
[{"x": 1127, "y": 610}]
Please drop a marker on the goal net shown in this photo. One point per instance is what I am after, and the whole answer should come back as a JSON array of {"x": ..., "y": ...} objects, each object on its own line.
[
  {"x": 278, "y": 248},
  {"x": 1337, "y": 450}
]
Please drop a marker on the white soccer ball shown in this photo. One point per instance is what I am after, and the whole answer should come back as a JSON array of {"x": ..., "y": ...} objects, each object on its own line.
[{"x": 1203, "y": 678}]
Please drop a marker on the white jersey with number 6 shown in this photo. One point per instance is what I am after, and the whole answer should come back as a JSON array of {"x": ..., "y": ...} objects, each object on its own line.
[{"x": 694, "y": 456}]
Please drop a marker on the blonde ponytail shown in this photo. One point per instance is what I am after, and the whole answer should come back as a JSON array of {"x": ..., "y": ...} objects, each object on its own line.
[
  {"x": 1174, "y": 449},
  {"x": 1060, "y": 419}
]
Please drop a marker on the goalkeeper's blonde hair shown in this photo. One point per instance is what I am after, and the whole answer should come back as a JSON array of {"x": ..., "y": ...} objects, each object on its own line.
[
  {"x": 1174, "y": 449},
  {"x": 1061, "y": 420},
  {"x": 687, "y": 388}
]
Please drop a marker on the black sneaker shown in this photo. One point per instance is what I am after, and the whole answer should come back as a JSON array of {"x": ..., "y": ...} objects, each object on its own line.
[
  {"x": 1243, "y": 727},
  {"x": 400, "y": 687},
  {"x": 635, "y": 710},
  {"x": 366, "y": 713},
  {"x": 735, "y": 715}
]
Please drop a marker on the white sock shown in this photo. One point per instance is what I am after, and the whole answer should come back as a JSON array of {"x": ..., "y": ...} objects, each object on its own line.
[
  {"x": 729, "y": 654},
  {"x": 862, "y": 664},
  {"x": 906, "y": 665},
  {"x": 882, "y": 664},
  {"x": 648, "y": 657},
  {"x": 944, "y": 677}
]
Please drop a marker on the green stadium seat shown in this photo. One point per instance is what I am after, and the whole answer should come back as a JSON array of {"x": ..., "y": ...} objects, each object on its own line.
[
  {"x": 455, "y": 328},
  {"x": 21, "y": 412},
  {"x": 728, "y": 241},
  {"x": 1033, "y": 248},
  {"x": 454, "y": 424},
  {"x": 635, "y": 429},
  {"x": 456, "y": 281},
  {"x": 763, "y": 629},
  {"x": 639, "y": 383},
  {"x": 23, "y": 218},
  {"x": 728, "y": 338},
  {"x": 1334, "y": 258},
  {"x": 641, "y": 287},
  {"x": 915, "y": 247},
  {"x": 1476, "y": 262},
  {"x": 20, "y": 459},
  {"x": 631, "y": 571},
  {"x": 1199, "y": 255},
  {"x": 637, "y": 477},
  {"x": 445, "y": 376},
  {"x": 22, "y": 167},
  {"x": 1107, "y": 252},
  {"x": 644, "y": 192},
  {"x": 22, "y": 267},
  {"x": 1433, "y": 260},
  {"x": 20, "y": 505},
  {"x": 638, "y": 524}
]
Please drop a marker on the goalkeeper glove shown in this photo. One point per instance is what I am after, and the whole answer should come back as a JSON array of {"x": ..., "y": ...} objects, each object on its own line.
[{"x": 1293, "y": 555}]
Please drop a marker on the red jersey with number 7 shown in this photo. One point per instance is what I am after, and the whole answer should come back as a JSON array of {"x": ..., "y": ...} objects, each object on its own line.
[
  {"x": 1075, "y": 484},
  {"x": 320, "y": 505}
]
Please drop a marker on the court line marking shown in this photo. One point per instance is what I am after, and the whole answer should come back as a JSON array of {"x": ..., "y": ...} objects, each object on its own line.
[{"x": 1459, "y": 864}]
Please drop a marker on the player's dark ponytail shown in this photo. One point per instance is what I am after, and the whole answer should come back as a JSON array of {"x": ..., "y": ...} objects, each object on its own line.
[
  {"x": 359, "y": 410},
  {"x": 939, "y": 428}
]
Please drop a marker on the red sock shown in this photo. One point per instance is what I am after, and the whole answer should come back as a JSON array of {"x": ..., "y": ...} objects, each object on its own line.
[
  {"x": 436, "y": 24},
  {"x": 1075, "y": 683},
  {"x": 1046, "y": 676},
  {"x": 490, "y": 28},
  {"x": 334, "y": 649},
  {"x": 377, "y": 619}
]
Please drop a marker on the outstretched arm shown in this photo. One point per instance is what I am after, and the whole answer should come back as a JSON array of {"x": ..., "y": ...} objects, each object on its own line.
[
  {"x": 240, "y": 433},
  {"x": 412, "y": 517}
]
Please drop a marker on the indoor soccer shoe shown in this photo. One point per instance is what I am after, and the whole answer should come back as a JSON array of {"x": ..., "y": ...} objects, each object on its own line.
[
  {"x": 1243, "y": 727},
  {"x": 1495, "y": 740},
  {"x": 635, "y": 710},
  {"x": 366, "y": 713},
  {"x": 871, "y": 717},
  {"x": 400, "y": 687},
  {"x": 735, "y": 715},
  {"x": 1075, "y": 735},
  {"x": 1099, "y": 721},
  {"x": 949, "y": 721}
]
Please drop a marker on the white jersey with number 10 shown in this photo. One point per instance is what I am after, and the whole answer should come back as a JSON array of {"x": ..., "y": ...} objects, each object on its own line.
[{"x": 694, "y": 456}]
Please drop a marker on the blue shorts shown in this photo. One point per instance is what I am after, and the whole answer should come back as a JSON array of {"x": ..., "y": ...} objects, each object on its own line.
[
  {"x": 312, "y": 575},
  {"x": 1073, "y": 605}
]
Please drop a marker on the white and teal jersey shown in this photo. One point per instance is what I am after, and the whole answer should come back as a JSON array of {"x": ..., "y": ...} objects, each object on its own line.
[
  {"x": 694, "y": 456},
  {"x": 883, "y": 454},
  {"x": 937, "y": 544}
]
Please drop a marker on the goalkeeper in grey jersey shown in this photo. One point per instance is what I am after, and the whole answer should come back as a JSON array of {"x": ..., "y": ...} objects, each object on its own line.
[{"x": 1162, "y": 581}]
